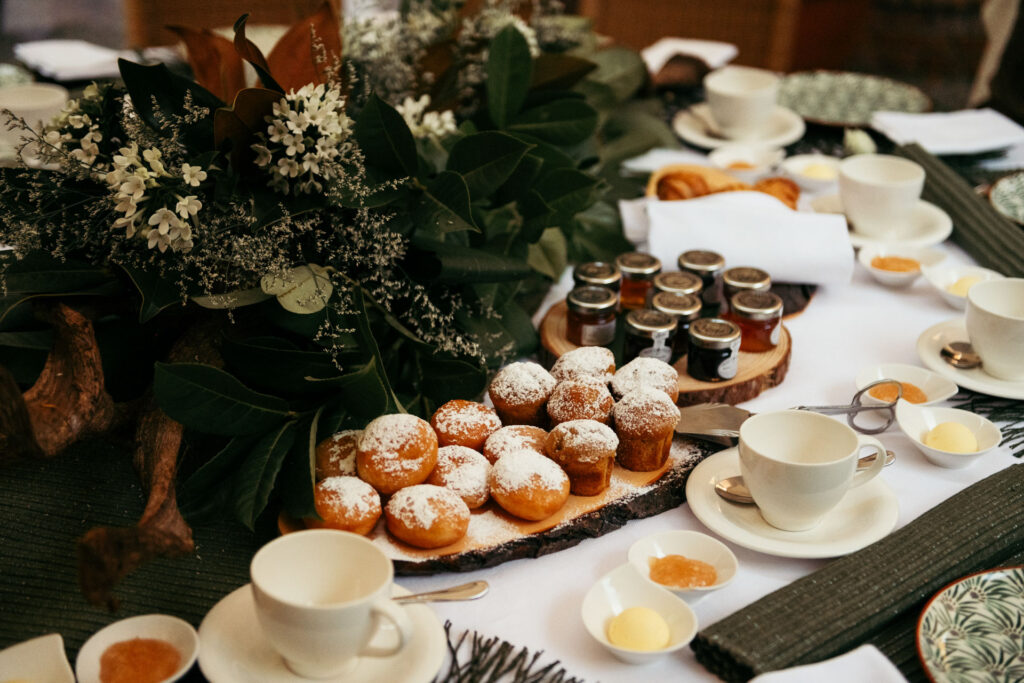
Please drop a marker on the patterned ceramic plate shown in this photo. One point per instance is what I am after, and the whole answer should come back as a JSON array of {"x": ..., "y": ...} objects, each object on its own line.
[
  {"x": 972, "y": 631},
  {"x": 842, "y": 98},
  {"x": 1007, "y": 196}
]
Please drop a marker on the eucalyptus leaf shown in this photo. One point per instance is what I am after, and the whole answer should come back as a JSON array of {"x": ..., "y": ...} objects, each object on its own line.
[
  {"x": 257, "y": 474},
  {"x": 446, "y": 204},
  {"x": 561, "y": 122},
  {"x": 385, "y": 138},
  {"x": 244, "y": 297},
  {"x": 509, "y": 71},
  {"x": 486, "y": 160},
  {"x": 549, "y": 255}
]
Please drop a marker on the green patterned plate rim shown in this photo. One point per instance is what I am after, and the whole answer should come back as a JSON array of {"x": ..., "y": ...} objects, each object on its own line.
[
  {"x": 1007, "y": 196},
  {"x": 972, "y": 631},
  {"x": 845, "y": 98}
]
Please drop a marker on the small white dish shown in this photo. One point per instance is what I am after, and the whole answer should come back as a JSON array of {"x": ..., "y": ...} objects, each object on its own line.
[
  {"x": 175, "y": 631},
  {"x": 929, "y": 345},
  {"x": 622, "y": 588},
  {"x": 40, "y": 660},
  {"x": 748, "y": 163},
  {"x": 936, "y": 387},
  {"x": 943, "y": 277},
  {"x": 694, "y": 126},
  {"x": 796, "y": 167},
  {"x": 234, "y": 649},
  {"x": 925, "y": 256},
  {"x": 917, "y": 421},
  {"x": 931, "y": 225},
  {"x": 690, "y": 544},
  {"x": 864, "y": 515}
]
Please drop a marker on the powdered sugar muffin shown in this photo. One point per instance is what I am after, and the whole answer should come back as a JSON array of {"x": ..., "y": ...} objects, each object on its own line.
[
  {"x": 646, "y": 372},
  {"x": 529, "y": 485},
  {"x": 427, "y": 516},
  {"x": 465, "y": 472},
  {"x": 585, "y": 398},
  {"x": 585, "y": 449},
  {"x": 464, "y": 423},
  {"x": 396, "y": 451},
  {"x": 586, "y": 361},
  {"x": 345, "y": 503},
  {"x": 519, "y": 393},
  {"x": 515, "y": 438},
  {"x": 336, "y": 455},
  {"x": 645, "y": 420}
]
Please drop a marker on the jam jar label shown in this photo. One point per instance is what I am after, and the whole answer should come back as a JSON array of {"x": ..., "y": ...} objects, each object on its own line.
[
  {"x": 598, "y": 335},
  {"x": 728, "y": 367},
  {"x": 659, "y": 350}
]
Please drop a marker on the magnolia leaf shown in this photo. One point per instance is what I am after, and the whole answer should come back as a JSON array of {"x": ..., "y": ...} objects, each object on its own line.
[
  {"x": 522, "y": 179},
  {"x": 256, "y": 476},
  {"x": 621, "y": 69},
  {"x": 156, "y": 292},
  {"x": 14, "y": 315},
  {"x": 467, "y": 265},
  {"x": 561, "y": 122},
  {"x": 264, "y": 363},
  {"x": 364, "y": 392},
  {"x": 214, "y": 61},
  {"x": 559, "y": 70},
  {"x": 242, "y": 297},
  {"x": 156, "y": 89},
  {"x": 509, "y": 70},
  {"x": 376, "y": 373},
  {"x": 204, "y": 493},
  {"x": 385, "y": 138},
  {"x": 568, "y": 191},
  {"x": 38, "y": 340},
  {"x": 296, "y": 60},
  {"x": 241, "y": 121},
  {"x": 209, "y": 400},
  {"x": 446, "y": 204},
  {"x": 248, "y": 51},
  {"x": 443, "y": 378},
  {"x": 39, "y": 273},
  {"x": 549, "y": 255},
  {"x": 486, "y": 160}
]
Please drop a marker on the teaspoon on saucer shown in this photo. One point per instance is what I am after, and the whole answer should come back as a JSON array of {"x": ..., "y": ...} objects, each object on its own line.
[
  {"x": 466, "y": 591},
  {"x": 961, "y": 355},
  {"x": 734, "y": 490}
]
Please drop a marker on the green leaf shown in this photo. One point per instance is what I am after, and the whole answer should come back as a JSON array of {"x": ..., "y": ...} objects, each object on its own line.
[
  {"x": 446, "y": 205},
  {"x": 561, "y": 122},
  {"x": 156, "y": 292},
  {"x": 559, "y": 70},
  {"x": 385, "y": 138},
  {"x": 568, "y": 191},
  {"x": 298, "y": 477},
  {"x": 621, "y": 69},
  {"x": 209, "y": 400},
  {"x": 256, "y": 476},
  {"x": 40, "y": 273},
  {"x": 549, "y": 255},
  {"x": 39, "y": 340},
  {"x": 206, "y": 491},
  {"x": 509, "y": 71},
  {"x": 597, "y": 234},
  {"x": 369, "y": 342},
  {"x": 157, "y": 93},
  {"x": 468, "y": 265},
  {"x": 486, "y": 160},
  {"x": 13, "y": 314},
  {"x": 443, "y": 378},
  {"x": 262, "y": 363}
]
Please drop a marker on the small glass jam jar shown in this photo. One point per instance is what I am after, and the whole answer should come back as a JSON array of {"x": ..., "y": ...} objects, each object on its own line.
[
  {"x": 758, "y": 315},
  {"x": 638, "y": 271},
  {"x": 714, "y": 350},
  {"x": 591, "y": 317},
  {"x": 708, "y": 266},
  {"x": 686, "y": 309},
  {"x": 678, "y": 282},
  {"x": 743, "y": 279},
  {"x": 649, "y": 334},
  {"x": 597, "y": 274}
]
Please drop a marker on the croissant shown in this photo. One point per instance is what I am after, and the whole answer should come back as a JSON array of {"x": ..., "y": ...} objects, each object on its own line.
[{"x": 783, "y": 189}]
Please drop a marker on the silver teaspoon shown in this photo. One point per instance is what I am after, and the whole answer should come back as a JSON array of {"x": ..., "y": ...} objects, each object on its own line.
[
  {"x": 961, "y": 355},
  {"x": 467, "y": 591},
  {"x": 734, "y": 490}
]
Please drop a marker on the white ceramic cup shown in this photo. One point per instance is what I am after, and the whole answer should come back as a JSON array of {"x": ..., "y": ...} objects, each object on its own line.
[
  {"x": 741, "y": 100},
  {"x": 321, "y": 595},
  {"x": 36, "y": 103},
  {"x": 798, "y": 465},
  {"x": 879, "y": 193},
  {"x": 995, "y": 326}
]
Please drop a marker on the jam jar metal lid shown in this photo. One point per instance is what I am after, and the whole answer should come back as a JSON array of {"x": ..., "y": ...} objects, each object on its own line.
[
  {"x": 756, "y": 305},
  {"x": 714, "y": 333},
  {"x": 678, "y": 282},
  {"x": 701, "y": 261},
  {"x": 646, "y": 322},
  {"x": 638, "y": 264},
  {"x": 598, "y": 273},
  {"x": 592, "y": 300},
  {"x": 745, "y": 277},
  {"x": 685, "y": 306}
]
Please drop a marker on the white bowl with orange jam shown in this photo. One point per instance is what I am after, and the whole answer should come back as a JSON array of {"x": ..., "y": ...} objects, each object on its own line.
[
  {"x": 896, "y": 266},
  {"x": 145, "y": 649},
  {"x": 920, "y": 386},
  {"x": 748, "y": 163},
  {"x": 684, "y": 562}
]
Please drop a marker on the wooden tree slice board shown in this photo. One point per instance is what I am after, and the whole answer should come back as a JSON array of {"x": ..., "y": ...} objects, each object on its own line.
[{"x": 757, "y": 371}]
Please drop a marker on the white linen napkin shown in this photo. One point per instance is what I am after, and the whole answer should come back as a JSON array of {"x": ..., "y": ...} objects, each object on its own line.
[
  {"x": 754, "y": 229},
  {"x": 712, "y": 52},
  {"x": 957, "y": 132},
  {"x": 866, "y": 663},
  {"x": 653, "y": 159},
  {"x": 77, "y": 60}
]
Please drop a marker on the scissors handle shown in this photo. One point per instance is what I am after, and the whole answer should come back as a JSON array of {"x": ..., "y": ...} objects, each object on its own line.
[{"x": 855, "y": 408}]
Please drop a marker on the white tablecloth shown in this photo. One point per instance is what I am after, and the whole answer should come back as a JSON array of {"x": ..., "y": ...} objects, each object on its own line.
[{"x": 536, "y": 602}]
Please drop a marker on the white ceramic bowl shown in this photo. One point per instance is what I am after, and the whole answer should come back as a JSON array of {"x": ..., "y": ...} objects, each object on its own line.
[
  {"x": 936, "y": 387},
  {"x": 760, "y": 159},
  {"x": 175, "y": 631},
  {"x": 623, "y": 588},
  {"x": 941, "y": 277},
  {"x": 795, "y": 166},
  {"x": 690, "y": 544},
  {"x": 917, "y": 421},
  {"x": 40, "y": 659},
  {"x": 926, "y": 256}
]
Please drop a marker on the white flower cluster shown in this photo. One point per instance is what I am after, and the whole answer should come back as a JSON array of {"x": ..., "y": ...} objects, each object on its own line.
[
  {"x": 75, "y": 132},
  {"x": 475, "y": 38},
  {"x": 425, "y": 124},
  {"x": 140, "y": 179},
  {"x": 385, "y": 49},
  {"x": 307, "y": 136}
]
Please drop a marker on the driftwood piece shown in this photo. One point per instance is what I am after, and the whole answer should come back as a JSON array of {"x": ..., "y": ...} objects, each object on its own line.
[{"x": 16, "y": 437}]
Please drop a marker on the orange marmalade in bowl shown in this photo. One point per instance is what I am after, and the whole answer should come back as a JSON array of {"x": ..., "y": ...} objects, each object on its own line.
[
  {"x": 678, "y": 571},
  {"x": 896, "y": 264}
]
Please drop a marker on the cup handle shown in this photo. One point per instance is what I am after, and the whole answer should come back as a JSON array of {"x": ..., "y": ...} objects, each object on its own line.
[
  {"x": 385, "y": 609},
  {"x": 866, "y": 475}
]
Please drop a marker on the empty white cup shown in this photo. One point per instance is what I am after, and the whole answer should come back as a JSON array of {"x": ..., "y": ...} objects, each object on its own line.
[
  {"x": 36, "y": 103},
  {"x": 879, "y": 193},
  {"x": 741, "y": 100},
  {"x": 995, "y": 326}
]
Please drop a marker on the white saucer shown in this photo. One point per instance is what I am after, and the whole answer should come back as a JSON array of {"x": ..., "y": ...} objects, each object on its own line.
[
  {"x": 232, "y": 648},
  {"x": 785, "y": 127},
  {"x": 930, "y": 343},
  {"x": 864, "y": 515},
  {"x": 931, "y": 225}
]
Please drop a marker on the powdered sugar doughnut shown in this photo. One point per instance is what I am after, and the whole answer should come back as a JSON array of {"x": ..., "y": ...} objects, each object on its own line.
[
  {"x": 519, "y": 392},
  {"x": 586, "y": 361},
  {"x": 529, "y": 485},
  {"x": 464, "y": 423},
  {"x": 585, "y": 398},
  {"x": 514, "y": 438},
  {"x": 465, "y": 472},
  {"x": 646, "y": 372},
  {"x": 336, "y": 455},
  {"x": 427, "y": 516},
  {"x": 396, "y": 451},
  {"x": 586, "y": 451},
  {"x": 345, "y": 503}
]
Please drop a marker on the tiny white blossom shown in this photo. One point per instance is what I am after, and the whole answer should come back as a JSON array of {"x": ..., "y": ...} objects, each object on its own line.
[
  {"x": 193, "y": 175},
  {"x": 134, "y": 187},
  {"x": 159, "y": 240},
  {"x": 163, "y": 218},
  {"x": 188, "y": 206}
]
